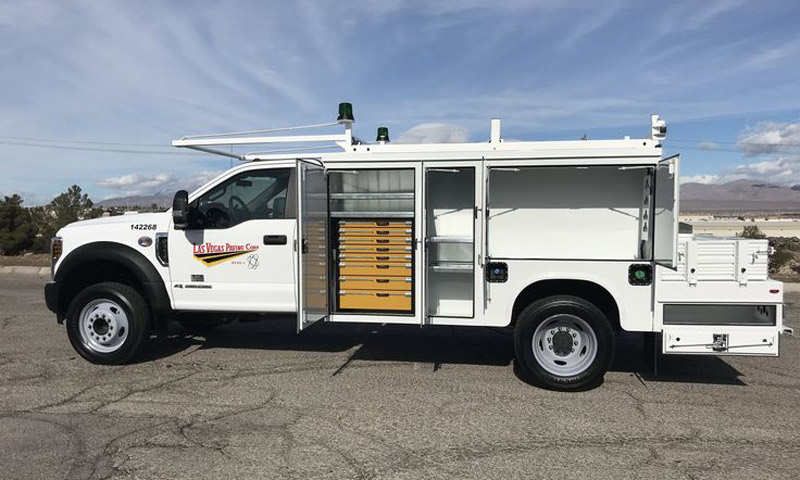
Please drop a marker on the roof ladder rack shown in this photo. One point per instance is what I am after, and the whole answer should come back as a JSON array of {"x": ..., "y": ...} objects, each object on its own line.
[{"x": 206, "y": 143}]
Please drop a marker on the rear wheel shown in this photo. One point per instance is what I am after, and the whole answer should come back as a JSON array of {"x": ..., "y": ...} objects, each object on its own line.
[
  {"x": 563, "y": 343},
  {"x": 108, "y": 323}
]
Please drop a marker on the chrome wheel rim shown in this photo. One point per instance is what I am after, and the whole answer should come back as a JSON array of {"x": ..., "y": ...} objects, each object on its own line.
[
  {"x": 564, "y": 345},
  {"x": 103, "y": 325}
]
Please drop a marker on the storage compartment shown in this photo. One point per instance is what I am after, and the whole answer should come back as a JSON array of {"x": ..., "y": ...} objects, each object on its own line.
[
  {"x": 352, "y": 241},
  {"x": 357, "y": 248},
  {"x": 376, "y": 258},
  {"x": 703, "y": 258},
  {"x": 375, "y": 283},
  {"x": 372, "y": 195},
  {"x": 450, "y": 219},
  {"x": 372, "y": 215},
  {"x": 720, "y": 314},
  {"x": 407, "y": 224},
  {"x": 365, "y": 300},
  {"x": 593, "y": 213},
  {"x": 375, "y": 269},
  {"x": 378, "y": 232}
]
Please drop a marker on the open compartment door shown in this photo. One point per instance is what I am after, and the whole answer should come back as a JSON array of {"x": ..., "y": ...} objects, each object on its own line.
[
  {"x": 665, "y": 212},
  {"x": 312, "y": 242}
]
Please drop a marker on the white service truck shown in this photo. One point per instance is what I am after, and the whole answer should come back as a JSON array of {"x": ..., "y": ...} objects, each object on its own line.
[{"x": 566, "y": 242}]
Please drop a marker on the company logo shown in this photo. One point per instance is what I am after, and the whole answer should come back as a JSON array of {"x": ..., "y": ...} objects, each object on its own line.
[
  {"x": 252, "y": 261},
  {"x": 211, "y": 254}
]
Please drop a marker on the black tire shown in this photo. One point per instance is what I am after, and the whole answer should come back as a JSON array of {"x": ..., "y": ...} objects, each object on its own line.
[
  {"x": 136, "y": 310},
  {"x": 569, "y": 307}
]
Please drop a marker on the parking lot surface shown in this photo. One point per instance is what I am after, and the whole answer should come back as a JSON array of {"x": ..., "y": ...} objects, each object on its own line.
[{"x": 352, "y": 401}]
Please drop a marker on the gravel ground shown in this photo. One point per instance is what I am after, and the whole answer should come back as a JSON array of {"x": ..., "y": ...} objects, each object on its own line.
[
  {"x": 30, "y": 260},
  {"x": 339, "y": 401}
]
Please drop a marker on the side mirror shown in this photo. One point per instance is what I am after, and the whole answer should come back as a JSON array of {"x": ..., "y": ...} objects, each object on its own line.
[{"x": 180, "y": 210}]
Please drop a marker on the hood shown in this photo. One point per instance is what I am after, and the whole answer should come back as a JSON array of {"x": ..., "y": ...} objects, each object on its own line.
[{"x": 154, "y": 217}]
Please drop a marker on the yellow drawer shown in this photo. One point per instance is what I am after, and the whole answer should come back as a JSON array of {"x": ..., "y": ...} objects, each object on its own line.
[
  {"x": 374, "y": 232},
  {"x": 375, "y": 258},
  {"x": 374, "y": 224},
  {"x": 374, "y": 249},
  {"x": 375, "y": 283},
  {"x": 379, "y": 241},
  {"x": 375, "y": 269},
  {"x": 375, "y": 300}
]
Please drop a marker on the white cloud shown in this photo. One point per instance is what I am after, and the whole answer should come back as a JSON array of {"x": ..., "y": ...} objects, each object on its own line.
[
  {"x": 770, "y": 137},
  {"x": 778, "y": 169},
  {"x": 593, "y": 21},
  {"x": 693, "y": 15},
  {"x": 706, "y": 145},
  {"x": 138, "y": 184},
  {"x": 776, "y": 146},
  {"x": 702, "y": 178},
  {"x": 434, "y": 133}
]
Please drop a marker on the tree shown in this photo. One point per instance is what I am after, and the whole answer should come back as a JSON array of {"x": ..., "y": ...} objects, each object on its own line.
[
  {"x": 70, "y": 206},
  {"x": 752, "y": 231},
  {"x": 17, "y": 230}
]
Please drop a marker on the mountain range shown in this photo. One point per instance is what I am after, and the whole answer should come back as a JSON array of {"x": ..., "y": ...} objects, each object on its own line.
[
  {"x": 738, "y": 196},
  {"x": 160, "y": 200}
]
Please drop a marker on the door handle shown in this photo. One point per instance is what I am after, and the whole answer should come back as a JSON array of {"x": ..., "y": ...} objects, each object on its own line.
[{"x": 274, "y": 239}]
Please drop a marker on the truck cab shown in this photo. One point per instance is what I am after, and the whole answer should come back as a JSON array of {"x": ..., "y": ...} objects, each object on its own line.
[{"x": 565, "y": 242}]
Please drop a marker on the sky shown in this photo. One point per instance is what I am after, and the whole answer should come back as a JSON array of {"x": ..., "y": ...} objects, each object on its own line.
[{"x": 92, "y": 92}]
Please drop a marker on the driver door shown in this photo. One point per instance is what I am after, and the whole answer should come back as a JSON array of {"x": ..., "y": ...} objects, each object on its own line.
[{"x": 237, "y": 253}]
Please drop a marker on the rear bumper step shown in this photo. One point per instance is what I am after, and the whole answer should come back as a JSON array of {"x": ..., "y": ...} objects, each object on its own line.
[{"x": 721, "y": 340}]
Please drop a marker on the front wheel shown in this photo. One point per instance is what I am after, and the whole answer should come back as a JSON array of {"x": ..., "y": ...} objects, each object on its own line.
[
  {"x": 108, "y": 323},
  {"x": 563, "y": 343}
]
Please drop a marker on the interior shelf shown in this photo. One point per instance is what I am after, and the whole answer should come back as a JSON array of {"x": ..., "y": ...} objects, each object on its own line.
[
  {"x": 451, "y": 267},
  {"x": 450, "y": 239},
  {"x": 373, "y": 196},
  {"x": 370, "y": 214}
]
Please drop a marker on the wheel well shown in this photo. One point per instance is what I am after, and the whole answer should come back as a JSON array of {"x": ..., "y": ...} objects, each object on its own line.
[
  {"x": 589, "y": 291},
  {"x": 93, "y": 272},
  {"x": 110, "y": 261}
]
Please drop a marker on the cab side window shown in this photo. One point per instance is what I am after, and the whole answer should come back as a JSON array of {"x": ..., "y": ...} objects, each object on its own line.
[{"x": 253, "y": 195}]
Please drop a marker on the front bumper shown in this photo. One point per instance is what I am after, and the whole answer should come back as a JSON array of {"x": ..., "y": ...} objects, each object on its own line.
[{"x": 51, "y": 289}]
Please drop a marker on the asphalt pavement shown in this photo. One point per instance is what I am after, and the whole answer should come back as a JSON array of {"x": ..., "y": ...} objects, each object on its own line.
[{"x": 377, "y": 402}]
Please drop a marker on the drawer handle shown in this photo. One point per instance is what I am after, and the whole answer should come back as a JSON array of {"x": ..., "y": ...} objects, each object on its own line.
[
  {"x": 381, "y": 294},
  {"x": 382, "y": 249},
  {"x": 381, "y": 266},
  {"x": 382, "y": 232},
  {"x": 382, "y": 224},
  {"x": 382, "y": 258},
  {"x": 381, "y": 240},
  {"x": 382, "y": 280}
]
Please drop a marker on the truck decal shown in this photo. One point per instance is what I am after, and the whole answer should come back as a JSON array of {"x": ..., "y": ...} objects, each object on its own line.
[{"x": 211, "y": 254}]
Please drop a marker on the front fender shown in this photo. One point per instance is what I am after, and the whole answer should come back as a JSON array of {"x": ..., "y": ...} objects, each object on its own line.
[{"x": 139, "y": 267}]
